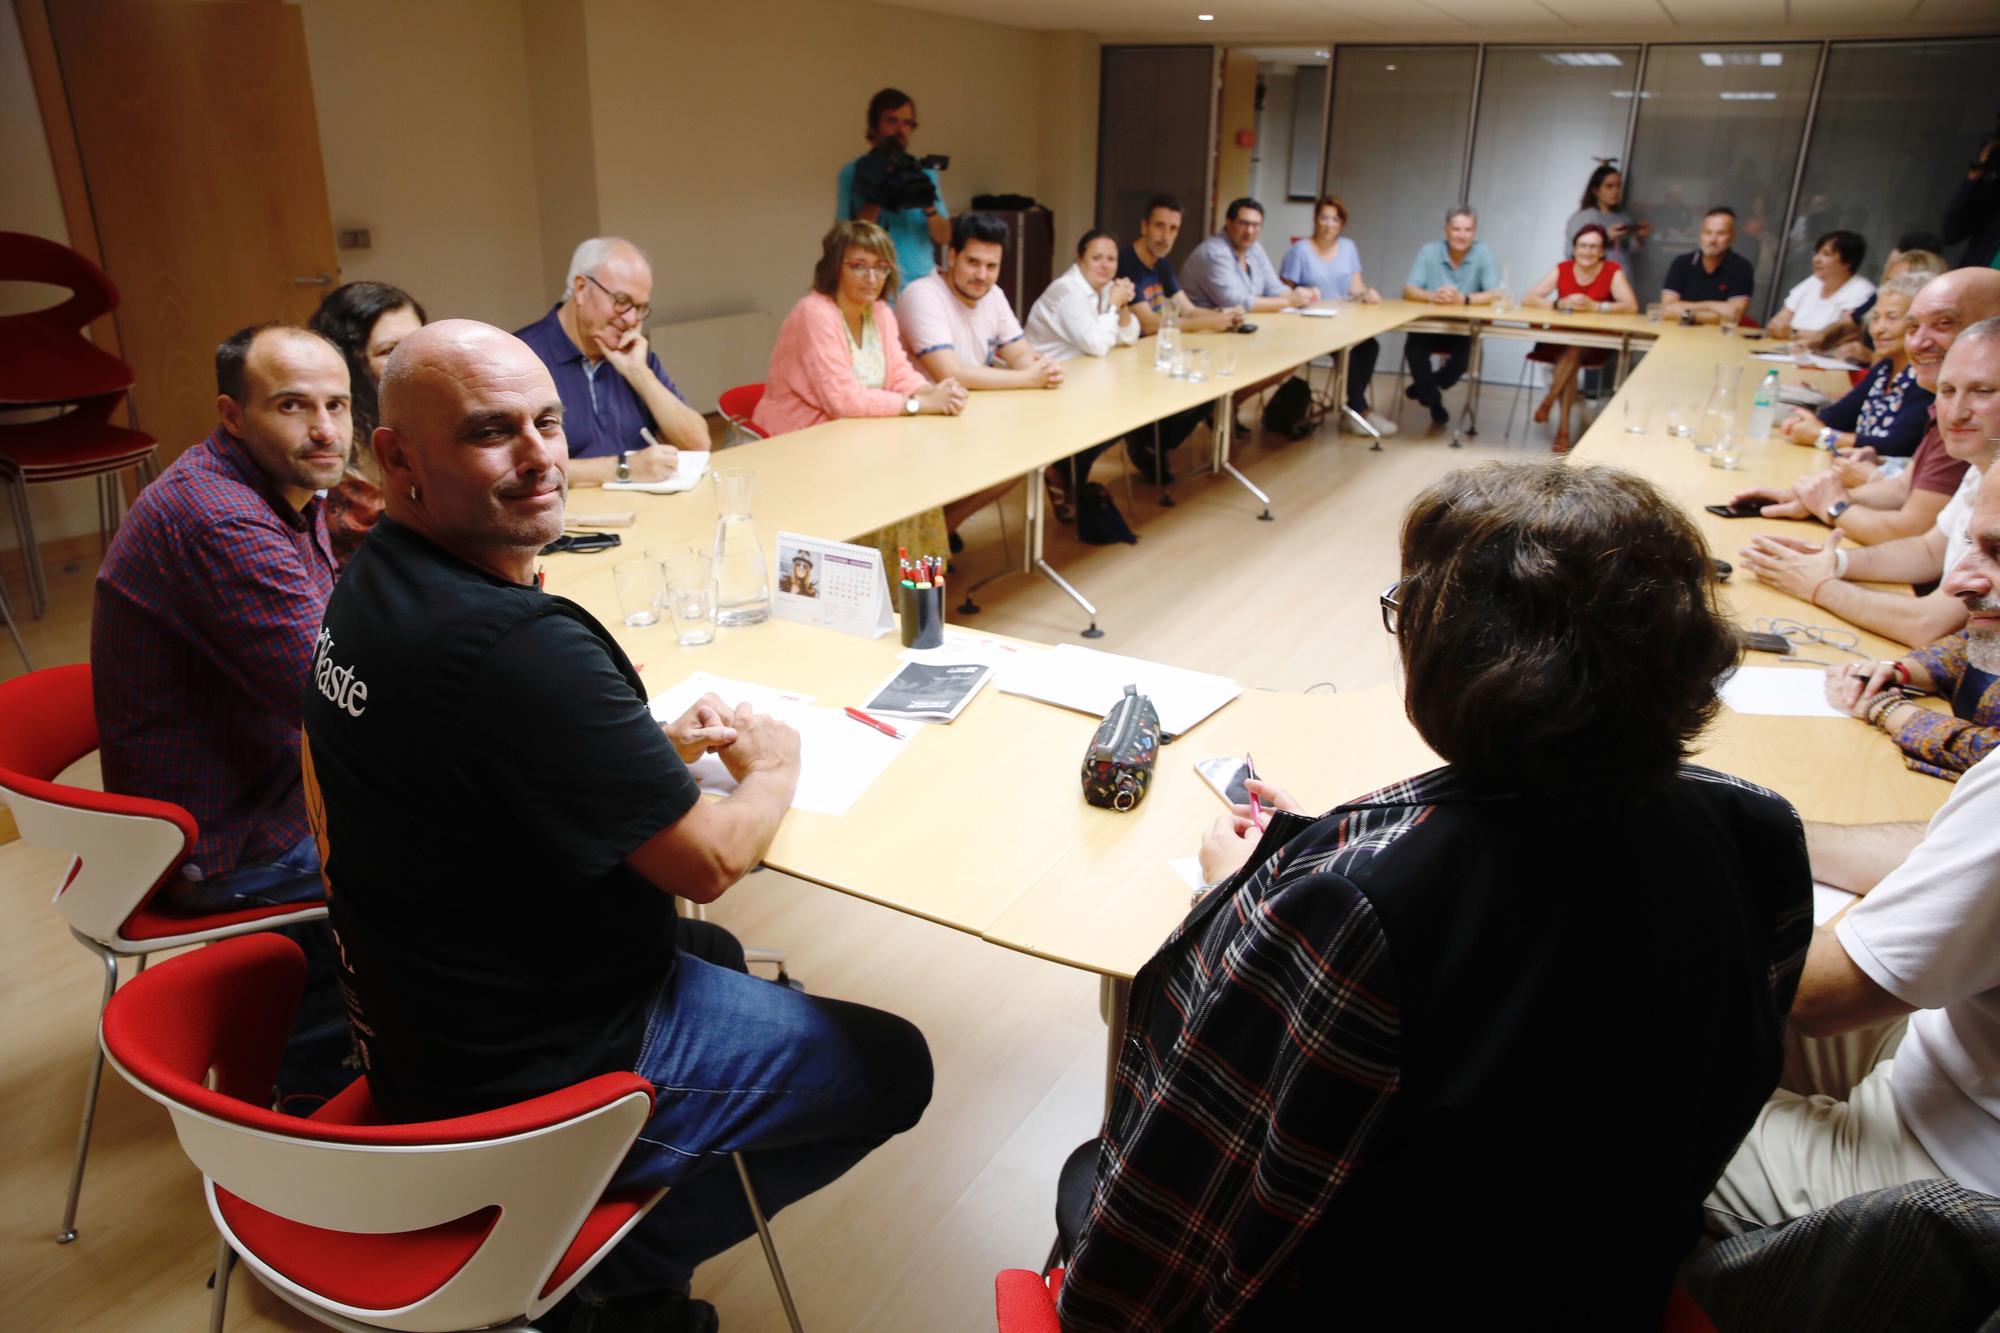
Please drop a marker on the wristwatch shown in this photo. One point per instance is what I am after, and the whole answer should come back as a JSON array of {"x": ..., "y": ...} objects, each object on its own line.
[
  {"x": 625, "y": 465},
  {"x": 1839, "y": 507},
  {"x": 1828, "y": 438},
  {"x": 911, "y": 406}
]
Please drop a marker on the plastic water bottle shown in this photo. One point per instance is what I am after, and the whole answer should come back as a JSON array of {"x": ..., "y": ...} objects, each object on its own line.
[
  {"x": 1764, "y": 406},
  {"x": 1168, "y": 340}
]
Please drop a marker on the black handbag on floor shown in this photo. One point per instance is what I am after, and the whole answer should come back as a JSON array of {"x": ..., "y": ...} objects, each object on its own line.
[
  {"x": 1097, "y": 518},
  {"x": 1290, "y": 412}
]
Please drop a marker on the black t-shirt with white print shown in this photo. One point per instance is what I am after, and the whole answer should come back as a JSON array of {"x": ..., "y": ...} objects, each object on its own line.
[{"x": 479, "y": 762}]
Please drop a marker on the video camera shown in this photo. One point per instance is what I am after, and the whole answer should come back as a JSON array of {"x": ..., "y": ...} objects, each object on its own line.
[{"x": 890, "y": 177}]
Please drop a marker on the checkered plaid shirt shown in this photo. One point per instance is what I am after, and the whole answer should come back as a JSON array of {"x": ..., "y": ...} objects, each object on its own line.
[
  {"x": 1266, "y": 1065},
  {"x": 201, "y": 643}
]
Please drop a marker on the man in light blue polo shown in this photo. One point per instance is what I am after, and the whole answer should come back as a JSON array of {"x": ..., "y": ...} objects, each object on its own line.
[
  {"x": 1457, "y": 270},
  {"x": 1230, "y": 270}
]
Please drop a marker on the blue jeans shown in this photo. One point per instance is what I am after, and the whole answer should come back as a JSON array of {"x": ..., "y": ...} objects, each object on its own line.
[
  {"x": 803, "y": 1086},
  {"x": 292, "y": 877}
]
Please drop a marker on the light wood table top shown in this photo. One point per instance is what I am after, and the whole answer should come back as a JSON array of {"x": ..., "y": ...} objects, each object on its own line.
[{"x": 981, "y": 825}]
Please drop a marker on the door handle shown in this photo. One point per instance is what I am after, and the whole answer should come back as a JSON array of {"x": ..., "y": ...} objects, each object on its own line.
[{"x": 316, "y": 280}]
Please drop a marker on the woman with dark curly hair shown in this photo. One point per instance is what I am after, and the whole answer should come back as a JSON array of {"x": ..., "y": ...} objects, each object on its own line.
[
  {"x": 365, "y": 320},
  {"x": 1540, "y": 991}
]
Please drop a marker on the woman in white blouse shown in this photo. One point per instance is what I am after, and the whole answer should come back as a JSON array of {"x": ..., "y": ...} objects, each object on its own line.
[
  {"x": 1836, "y": 287},
  {"x": 1085, "y": 312}
]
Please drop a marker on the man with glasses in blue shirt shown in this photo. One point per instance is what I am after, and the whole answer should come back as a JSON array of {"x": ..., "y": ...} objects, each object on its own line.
[{"x": 599, "y": 326}]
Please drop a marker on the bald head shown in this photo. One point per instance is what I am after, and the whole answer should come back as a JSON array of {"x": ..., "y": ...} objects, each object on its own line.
[
  {"x": 471, "y": 444},
  {"x": 1944, "y": 307}
]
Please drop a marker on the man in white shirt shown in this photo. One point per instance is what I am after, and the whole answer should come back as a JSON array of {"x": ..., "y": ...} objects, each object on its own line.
[
  {"x": 1968, "y": 418},
  {"x": 1861, "y": 1112}
]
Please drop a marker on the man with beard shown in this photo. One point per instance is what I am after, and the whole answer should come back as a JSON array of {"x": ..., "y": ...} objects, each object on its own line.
[
  {"x": 202, "y": 631},
  {"x": 505, "y": 829},
  {"x": 1864, "y": 1104},
  {"x": 957, "y": 325},
  {"x": 1833, "y": 579}
]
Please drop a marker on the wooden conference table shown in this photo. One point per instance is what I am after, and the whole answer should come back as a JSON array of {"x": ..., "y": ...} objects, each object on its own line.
[{"x": 1008, "y": 850}]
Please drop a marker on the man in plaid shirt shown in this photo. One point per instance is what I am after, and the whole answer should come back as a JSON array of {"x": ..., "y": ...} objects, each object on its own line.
[{"x": 207, "y": 606}]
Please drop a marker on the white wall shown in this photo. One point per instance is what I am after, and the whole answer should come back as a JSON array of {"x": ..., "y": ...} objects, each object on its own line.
[{"x": 1283, "y": 217}]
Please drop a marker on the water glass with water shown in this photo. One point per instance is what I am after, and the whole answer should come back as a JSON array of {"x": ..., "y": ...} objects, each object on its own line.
[{"x": 638, "y": 584}]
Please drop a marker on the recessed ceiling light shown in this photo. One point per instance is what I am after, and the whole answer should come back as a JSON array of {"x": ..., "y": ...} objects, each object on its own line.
[
  {"x": 1771, "y": 58},
  {"x": 1323, "y": 54},
  {"x": 1206, "y": 18},
  {"x": 1711, "y": 58},
  {"x": 1748, "y": 97},
  {"x": 1390, "y": 68}
]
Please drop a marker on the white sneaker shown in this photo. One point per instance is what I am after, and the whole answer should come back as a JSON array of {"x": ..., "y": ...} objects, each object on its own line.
[{"x": 1383, "y": 426}]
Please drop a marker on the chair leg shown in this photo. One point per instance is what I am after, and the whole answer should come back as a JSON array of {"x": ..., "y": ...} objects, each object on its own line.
[
  {"x": 7, "y": 614},
  {"x": 218, "y": 1305},
  {"x": 31, "y": 555},
  {"x": 1055, "y": 1254},
  {"x": 68, "y": 1232},
  {"x": 770, "y": 1246}
]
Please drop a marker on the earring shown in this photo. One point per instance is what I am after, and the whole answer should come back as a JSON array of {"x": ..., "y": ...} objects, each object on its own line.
[{"x": 413, "y": 493}]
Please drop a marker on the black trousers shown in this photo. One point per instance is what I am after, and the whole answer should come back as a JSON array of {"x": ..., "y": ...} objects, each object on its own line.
[
  {"x": 1421, "y": 347},
  {"x": 1360, "y": 370},
  {"x": 1174, "y": 431}
]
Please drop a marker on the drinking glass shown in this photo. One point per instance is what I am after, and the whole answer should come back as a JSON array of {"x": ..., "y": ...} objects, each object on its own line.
[
  {"x": 639, "y": 585},
  {"x": 1225, "y": 360},
  {"x": 1727, "y": 453},
  {"x": 1638, "y": 414},
  {"x": 1680, "y": 420},
  {"x": 1177, "y": 367},
  {"x": 1197, "y": 365},
  {"x": 1653, "y": 310},
  {"x": 690, "y": 594}
]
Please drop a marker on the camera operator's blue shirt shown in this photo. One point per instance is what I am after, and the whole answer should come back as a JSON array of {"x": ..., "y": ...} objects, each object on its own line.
[{"x": 907, "y": 227}]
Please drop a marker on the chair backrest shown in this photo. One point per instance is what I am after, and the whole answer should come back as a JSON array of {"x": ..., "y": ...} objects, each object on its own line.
[
  {"x": 538, "y": 1167},
  {"x": 122, "y": 847},
  {"x": 25, "y": 258},
  {"x": 740, "y": 403}
]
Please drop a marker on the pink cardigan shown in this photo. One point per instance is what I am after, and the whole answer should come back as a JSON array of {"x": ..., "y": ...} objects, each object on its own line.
[{"x": 812, "y": 372}]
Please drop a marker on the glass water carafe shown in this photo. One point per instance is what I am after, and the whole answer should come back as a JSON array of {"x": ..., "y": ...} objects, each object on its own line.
[
  {"x": 1168, "y": 340},
  {"x": 742, "y": 581},
  {"x": 1718, "y": 418}
]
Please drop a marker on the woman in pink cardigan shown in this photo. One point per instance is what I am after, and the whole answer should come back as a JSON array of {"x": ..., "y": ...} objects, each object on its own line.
[{"x": 839, "y": 353}]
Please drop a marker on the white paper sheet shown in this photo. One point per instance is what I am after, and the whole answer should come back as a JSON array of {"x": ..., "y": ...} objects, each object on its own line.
[
  {"x": 1320, "y": 311},
  {"x": 689, "y": 468},
  {"x": 962, "y": 645},
  {"x": 1827, "y": 900},
  {"x": 1188, "y": 868},
  {"x": 1812, "y": 360},
  {"x": 1090, "y": 682},
  {"x": 838, "y": 760},
  {"x": 1778, "y": 692},
  {"x": 677, "y": 699}
]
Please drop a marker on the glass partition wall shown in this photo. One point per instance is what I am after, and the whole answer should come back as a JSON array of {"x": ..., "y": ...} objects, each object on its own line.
[{"x": 1797, "y": 137}]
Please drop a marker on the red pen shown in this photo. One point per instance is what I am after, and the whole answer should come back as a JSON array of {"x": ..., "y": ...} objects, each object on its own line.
[{"x": 876, "y": 723}]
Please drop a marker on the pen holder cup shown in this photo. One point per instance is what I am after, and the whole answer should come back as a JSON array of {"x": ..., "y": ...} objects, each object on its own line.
[{"x": 922, "y": 617}]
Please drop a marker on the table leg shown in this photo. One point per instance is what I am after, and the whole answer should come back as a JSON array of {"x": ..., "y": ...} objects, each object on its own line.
[
  {"x": 1469, "y": 419},
  {"x": 1032, "y": 552},
  {"x": 1114, "y": 994},
  {"x": 1225, "y": 433}
]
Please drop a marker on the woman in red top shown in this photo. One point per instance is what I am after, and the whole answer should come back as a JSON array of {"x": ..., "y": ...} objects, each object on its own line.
[{"x": 1586, "y": 281}]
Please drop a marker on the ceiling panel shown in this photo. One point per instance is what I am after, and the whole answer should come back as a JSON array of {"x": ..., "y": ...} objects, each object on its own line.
[
  {"x": 1612, "y": 15},
  {"x": 1701, "y": 17},
  {"x": 1969, "y": 14}
]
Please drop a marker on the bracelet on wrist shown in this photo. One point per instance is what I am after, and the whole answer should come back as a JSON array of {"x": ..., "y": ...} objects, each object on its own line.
[
  {"x": 1840, "y": 563},
  {"x": 1812, "y": 598},
  {"x": 1902, "y": 673}
]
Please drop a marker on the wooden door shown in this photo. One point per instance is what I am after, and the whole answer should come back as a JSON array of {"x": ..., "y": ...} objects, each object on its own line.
[
  {"x": 200, "y": 148},
  {"x": 1155, "y": 135}
]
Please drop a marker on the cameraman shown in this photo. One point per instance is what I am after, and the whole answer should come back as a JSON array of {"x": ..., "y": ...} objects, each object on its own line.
[
  {"x": 1973, "y": 215},
  {"x": 885, "y": 185}
]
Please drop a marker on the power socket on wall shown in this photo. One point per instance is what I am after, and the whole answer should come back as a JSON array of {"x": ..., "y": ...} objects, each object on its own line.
[{"x": 354, "y": 238}]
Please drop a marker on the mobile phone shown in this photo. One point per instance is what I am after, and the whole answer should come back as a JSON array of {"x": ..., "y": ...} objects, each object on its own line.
[
  {"x": 1741, "y": 509},
  {"x": 1765, "y": 642},
  {"x": 1226, "y": 777},
  {"x": 1244, "y": 328},
  {"x": 581, "y": 541},
  {"x": 1723, "y": 569}
]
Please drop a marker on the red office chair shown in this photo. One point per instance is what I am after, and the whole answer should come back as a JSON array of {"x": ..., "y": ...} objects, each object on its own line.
[
  {"x": 1025, "y": 1302},
  {"x": 123, "y": 848},
  {"x": 45, "y": 361},
  {"x": 478, "y": 1221},
  {"x": 738, "y": 405}
]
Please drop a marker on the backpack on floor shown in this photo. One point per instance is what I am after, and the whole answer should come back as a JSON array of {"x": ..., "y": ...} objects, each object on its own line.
[
  {"x": 1290, "y": 412},
  {"x": 1097, "y": 518}
]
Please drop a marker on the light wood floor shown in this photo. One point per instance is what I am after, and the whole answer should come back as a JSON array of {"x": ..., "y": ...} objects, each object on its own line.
[{"x": 909, "y": 1241}]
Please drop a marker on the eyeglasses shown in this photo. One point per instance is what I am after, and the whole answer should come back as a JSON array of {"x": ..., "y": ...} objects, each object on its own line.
[
  {"x": 620, "y": 302},
  {"x": 1840, "y": 640},
  {"x": 862, "y": 269},
  {"x": 1392, "y": 605}
]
